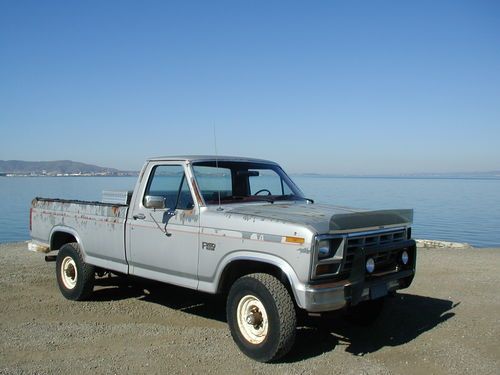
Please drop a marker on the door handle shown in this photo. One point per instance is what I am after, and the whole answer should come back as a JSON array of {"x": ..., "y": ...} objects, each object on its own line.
[{"x": 139, "y": 216}]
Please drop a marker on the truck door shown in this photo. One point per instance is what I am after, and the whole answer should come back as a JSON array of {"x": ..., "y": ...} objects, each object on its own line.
[{"x": 163, "y": 227}]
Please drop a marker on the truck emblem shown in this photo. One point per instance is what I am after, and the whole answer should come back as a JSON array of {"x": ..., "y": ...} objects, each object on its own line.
[{"x": 208, "y": 246}]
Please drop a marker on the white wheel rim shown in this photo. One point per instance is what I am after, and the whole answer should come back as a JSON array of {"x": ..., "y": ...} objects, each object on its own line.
[
  {"x": 252, "y": 319},
  {"x": 69, "y": 272}
]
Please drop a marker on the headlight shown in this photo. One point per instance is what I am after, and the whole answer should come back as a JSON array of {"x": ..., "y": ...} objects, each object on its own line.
[
  {"x": 324, "y": 249},
  {"x": 330, "y": 254}
]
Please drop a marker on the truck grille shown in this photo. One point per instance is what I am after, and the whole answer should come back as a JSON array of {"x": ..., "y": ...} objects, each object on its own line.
[{"x": 384, "y": 259}]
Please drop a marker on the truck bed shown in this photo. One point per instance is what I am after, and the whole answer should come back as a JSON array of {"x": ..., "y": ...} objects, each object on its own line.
[{"x": 98, "y": 227}]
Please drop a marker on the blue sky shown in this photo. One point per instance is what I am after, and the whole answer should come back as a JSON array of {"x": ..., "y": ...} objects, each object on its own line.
[{"x": 356, "y": 87}]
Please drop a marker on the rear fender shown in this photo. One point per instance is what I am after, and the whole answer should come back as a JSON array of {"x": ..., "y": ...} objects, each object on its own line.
[{"x": 68, "y": 230}]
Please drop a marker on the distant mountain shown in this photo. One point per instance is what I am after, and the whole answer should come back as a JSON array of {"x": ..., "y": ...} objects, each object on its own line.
[{"x": 52, "y": 167}]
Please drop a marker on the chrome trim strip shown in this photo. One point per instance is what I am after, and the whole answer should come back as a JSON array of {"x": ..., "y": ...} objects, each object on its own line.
[
  {"x": 367, "y": 233},
  {"x": 371, "y": 229},
  {"x": 360, "y": 234}
]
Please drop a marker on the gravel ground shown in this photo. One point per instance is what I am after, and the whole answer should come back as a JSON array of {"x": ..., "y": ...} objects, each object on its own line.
[{"x": 447, "y": 322}]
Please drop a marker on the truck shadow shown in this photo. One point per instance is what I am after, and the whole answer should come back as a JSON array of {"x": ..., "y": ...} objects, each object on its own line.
[
  {"x": 404, "y": 318},
  {"x": 173, "y": 297}
]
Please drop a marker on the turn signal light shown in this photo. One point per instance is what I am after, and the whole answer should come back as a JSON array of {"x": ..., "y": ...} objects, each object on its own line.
[{"x": 297, "y": 240}]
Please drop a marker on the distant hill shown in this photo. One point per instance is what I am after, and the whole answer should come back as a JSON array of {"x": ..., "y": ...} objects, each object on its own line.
[{"x": 52, "y": 167}]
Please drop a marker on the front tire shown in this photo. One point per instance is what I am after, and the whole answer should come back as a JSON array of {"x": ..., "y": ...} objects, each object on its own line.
[
  {"x": 75, "y": 278},
  {"x": 261, "y": 316}
]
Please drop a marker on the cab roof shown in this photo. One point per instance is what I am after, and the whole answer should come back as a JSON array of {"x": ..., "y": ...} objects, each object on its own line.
[{"x": 200, "y": 158}]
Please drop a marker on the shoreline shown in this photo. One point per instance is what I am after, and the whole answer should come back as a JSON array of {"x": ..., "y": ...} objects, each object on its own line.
[
  {"x": 433, "y": 244},
  {"x": 421, "y": 244}
]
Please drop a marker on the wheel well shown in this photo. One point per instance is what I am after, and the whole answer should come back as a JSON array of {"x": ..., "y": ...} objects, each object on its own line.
[
  {"x": 59, "y": 239},
  {"x": 239, "y": 268}
]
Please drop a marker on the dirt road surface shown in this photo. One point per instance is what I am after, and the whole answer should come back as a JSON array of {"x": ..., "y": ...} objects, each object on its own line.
[{"x": 447, "y": 322}]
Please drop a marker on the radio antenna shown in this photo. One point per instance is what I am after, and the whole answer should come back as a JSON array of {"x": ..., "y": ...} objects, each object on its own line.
[{"x": 217, "y": 167}]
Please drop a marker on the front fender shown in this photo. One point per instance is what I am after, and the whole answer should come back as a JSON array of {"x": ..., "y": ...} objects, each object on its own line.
[{"x": 212, "y": 285}]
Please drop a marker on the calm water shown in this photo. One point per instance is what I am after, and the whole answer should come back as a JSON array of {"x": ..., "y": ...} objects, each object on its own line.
[{"x": 445, "y": 209}]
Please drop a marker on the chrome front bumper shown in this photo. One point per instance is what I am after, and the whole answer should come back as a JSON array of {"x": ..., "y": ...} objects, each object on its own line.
[{"x": 335, "y": 296}]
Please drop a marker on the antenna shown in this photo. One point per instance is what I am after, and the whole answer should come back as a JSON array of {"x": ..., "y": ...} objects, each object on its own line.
[{"x": 217, "y": 166}]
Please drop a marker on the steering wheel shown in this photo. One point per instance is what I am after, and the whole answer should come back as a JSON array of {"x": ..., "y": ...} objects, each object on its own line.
[{"x": 261, "y": 191}]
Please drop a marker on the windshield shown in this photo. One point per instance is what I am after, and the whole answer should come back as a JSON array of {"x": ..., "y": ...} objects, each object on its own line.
[{"x": 238, "y": 182}]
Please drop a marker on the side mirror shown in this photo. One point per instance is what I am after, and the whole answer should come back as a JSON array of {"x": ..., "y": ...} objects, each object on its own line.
[{"x": 154, "y": 201}]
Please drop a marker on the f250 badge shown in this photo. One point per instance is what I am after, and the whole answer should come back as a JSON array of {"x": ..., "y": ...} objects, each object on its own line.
[{"x": 208, "y": 246}]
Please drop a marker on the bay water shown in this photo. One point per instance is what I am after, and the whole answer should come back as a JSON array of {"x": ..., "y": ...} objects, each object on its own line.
[{"x": 458, "y": 210}]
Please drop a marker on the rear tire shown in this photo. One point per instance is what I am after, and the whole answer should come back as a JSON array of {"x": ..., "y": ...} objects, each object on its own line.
[
  {"x": 261, "y": 316},
  {"x": 75, "y": 278}
]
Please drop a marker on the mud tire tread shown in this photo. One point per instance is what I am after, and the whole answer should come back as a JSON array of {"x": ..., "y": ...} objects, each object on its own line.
[
  {"x": 270, "y": 291},
  {"x": 85, "y": 273}
]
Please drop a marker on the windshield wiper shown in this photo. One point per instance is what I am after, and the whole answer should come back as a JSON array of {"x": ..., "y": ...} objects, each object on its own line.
[
  {"x": 293, "y": 197},
  {"x": 262, "y": 199},
  {"x": 251, "y": 198}
]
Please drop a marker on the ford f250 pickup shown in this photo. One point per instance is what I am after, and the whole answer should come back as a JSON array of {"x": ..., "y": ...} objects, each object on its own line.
[{"x": 235, "y": 226}]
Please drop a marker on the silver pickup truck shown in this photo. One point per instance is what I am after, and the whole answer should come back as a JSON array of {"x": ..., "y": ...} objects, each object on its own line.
[{"x": 235, "y": 226}]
